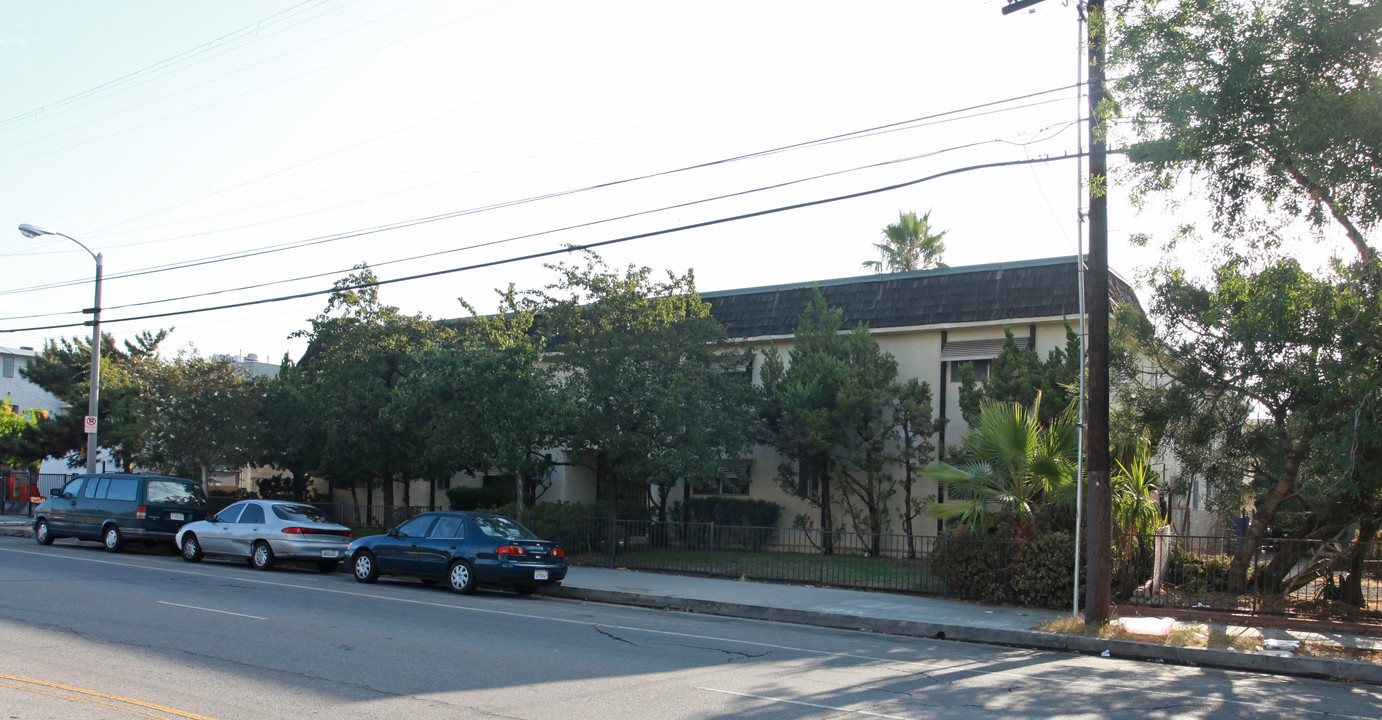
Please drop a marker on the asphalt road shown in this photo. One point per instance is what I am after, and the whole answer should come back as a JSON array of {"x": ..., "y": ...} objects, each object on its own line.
[{"x": 87, "y": 634}]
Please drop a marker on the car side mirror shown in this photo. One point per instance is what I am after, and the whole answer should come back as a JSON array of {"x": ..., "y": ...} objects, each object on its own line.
[
  {"x": 393, "y": 533},
  {"x": 55, "y": 492}
]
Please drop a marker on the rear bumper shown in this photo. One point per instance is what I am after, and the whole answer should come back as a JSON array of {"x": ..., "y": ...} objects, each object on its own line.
[
  {"x": 525, "y": 573},
  {"x": 295, "y": 550}
]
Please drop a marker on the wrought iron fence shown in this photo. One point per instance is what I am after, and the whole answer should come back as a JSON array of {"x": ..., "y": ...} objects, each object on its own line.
[{"x": 1272, "y": 576}]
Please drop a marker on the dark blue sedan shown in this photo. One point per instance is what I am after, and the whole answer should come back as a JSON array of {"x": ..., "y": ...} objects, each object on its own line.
[{"x": 463, "y": 548}]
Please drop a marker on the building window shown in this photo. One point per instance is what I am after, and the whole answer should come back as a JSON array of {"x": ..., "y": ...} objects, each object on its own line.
[
  {"x": 981, "y": 369},
  {"x": 733, "y": 479},
  {"x": 8, "y": 366}
]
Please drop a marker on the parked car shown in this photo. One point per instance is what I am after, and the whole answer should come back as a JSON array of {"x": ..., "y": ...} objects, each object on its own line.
[
  {"x": 463, "y": 548},
  {"x": 265, "y": 532},
  {"x": 112, "y": 508}
]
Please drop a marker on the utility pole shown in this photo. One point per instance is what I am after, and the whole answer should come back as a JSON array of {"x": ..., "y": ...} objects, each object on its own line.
[
  {"x": 1098, "y": 523},
  {"x": 1099, "y": 510}
]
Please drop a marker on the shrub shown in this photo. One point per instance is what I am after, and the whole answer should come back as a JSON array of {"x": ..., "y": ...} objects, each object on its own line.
[
  {"x": 479, "y": 498},
  {"x": 997, "y": 568},
  {"x": 1199, "y": 574},
  {"x": 730, "y": 511}
]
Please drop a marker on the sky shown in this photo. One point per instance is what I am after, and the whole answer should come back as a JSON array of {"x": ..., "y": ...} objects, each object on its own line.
[{"x": 220, "y": 153}]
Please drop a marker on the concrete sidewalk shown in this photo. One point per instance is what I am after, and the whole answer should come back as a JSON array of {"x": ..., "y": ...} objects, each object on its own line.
[
  {"x": 940, "y": 618},
  {"x": 921, "y": 616}
]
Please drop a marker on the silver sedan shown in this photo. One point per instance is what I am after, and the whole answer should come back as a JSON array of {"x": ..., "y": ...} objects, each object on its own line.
[{"x": 264, "y": 532}]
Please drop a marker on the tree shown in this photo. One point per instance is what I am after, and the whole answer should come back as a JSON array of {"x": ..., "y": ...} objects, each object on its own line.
[
  {"x": 200, "y": 413},
  {"x": 911, "y": 243},
  {"x": 64, "y": 369},
  {"x": 826, "y": 410},
  {"x": 658, "y": 395},
  {"x": 912, "y": 412},
  {"x": 15, "y": 452},
  {"x": 1011, "y": 465},
  {"x": 359, "y": 350},
  {"x": 289, "y": 436},
  {"x": 1018, "y": 375},
  {"x": 489, "y": 404},
  {"x": 1272, "y": 102},
  {"x": 1250, "y": 359}
]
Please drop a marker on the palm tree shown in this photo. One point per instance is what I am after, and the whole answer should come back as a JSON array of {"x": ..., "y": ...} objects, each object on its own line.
[
  {"x": 1014, "y": 464},
  {"x": 909, "y": 244}
]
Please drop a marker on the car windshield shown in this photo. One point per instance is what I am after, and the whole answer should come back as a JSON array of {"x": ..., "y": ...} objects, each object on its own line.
[
  {"x": 174, "y": 492},
  {"x": 301, "y": 513},
  {"x": 497, "y": 526}
]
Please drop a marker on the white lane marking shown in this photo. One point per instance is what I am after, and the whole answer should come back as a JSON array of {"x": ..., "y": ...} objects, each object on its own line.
[
  {"x": 223, "y": 612},
  {"x": 803, "y": 703},
  {"x": 1093, "y": 685}
]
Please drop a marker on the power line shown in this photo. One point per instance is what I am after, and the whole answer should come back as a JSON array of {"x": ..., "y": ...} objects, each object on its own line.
[
  {"x": 569, "y": 248},
  {"x": 576, "y": 226},
  {"x": 911, "y": 123}
]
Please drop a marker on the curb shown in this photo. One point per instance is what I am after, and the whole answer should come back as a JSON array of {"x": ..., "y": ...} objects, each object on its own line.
[
  {"x": 16, "y": 530},
  {"x": 1328, "y": 668}
]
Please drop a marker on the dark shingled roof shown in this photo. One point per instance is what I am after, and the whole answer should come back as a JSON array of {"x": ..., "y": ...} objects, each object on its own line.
[{"x": 974, "y": 293}]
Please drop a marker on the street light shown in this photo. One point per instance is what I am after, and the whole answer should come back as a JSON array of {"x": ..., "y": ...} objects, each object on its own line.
[{"x": 93, "y": 405}]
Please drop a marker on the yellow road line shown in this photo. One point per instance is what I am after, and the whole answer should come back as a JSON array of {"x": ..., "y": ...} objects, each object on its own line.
[{"x": 97, "y": 694}]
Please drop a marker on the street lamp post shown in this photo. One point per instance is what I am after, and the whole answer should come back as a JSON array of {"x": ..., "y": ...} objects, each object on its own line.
[{"x": 93, "y": 405}]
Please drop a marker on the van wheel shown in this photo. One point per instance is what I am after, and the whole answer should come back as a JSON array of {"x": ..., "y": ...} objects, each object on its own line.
[
  {"x": 191, "y": 549},
  {"x": 42, "y": 533},
  {"x": 113, "y": 539},
  {"x": 263, "y": 557}
]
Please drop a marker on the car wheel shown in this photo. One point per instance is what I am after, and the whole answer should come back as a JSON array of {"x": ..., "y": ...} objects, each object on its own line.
[
  {"x": 328, "y": 566},
  {"x": 525, "y": 589},
  {"x": 113, "y": 539},
  {"x": 42, "y": 533},
  {"x": 461, "y": 578},
  {"x": 191, "y": 549},
  {"x": 364, "y": 567},
  {"x": 263, "y": 557}
]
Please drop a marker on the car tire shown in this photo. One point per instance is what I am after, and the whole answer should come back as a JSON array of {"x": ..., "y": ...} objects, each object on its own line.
[
  {"x": 113, "y": 539},
  {"x": 328, "y": 566},
  {"x": 525, "y": 589},
  {"x": 263, "y": 556},
  {"x": 364, "y": 567},
  {"x": 42, "y": 533},
  {"x": 460, "y": 577},
  {"x": 191, "y": 549}
]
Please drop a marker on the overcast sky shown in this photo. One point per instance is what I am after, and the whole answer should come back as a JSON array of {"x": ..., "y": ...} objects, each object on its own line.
[{"x": 314, "y": 136}]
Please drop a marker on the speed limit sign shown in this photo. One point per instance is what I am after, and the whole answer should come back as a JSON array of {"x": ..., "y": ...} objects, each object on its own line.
[{"x": 89, "y": 424}]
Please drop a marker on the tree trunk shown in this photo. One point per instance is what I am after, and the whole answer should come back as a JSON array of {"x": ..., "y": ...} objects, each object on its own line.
[
  {"x": 518, "y": 492},
  {"x": 1264, "y": 517},
  {"x": 1351, "y": 590},
  {"x": 827, "y": 519}
]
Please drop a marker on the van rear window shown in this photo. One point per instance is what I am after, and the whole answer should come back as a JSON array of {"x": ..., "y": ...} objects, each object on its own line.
[{"x": 172, "y": 492}]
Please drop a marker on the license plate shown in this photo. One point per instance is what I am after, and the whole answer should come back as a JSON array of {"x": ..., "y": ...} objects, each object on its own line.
[
  {"x": 539, "y": 574},
  {"x": 331, "y": 553},
  {"x": 174, "y": 516}
]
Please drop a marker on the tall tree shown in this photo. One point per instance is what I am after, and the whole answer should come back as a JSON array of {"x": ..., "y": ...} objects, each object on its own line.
[
  {"x": 489, "y": 404},
  {"x": 289, "y": 437},
  {"x": 64, "y": 369},
  {"x": 199, "y": 411},
  {"x": 658, "y": 395},
  {"x": 1268, "y": 101},
  {"x": 359, "y": 349},
  {"x": 826, "y": 408},
  {"x": 911, "y": 243},
  {"x": 916, "y": 430}
]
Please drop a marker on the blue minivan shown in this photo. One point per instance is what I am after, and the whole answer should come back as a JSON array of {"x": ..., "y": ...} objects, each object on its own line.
[{"x": 111, "y": 508}]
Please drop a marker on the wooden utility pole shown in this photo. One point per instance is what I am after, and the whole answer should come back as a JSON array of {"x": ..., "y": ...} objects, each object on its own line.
[{"x": 1099, "y": 509}]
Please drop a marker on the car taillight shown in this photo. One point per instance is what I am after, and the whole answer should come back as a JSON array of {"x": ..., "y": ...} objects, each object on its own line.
[
  {"x": 140, "y": 512},
  {"x": 558, "y": 552},
  {"x": 510, "y": 550},
  {"x": 316, "y": 531}
]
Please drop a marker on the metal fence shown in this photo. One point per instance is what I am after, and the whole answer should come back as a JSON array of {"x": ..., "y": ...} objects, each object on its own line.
[{"x": 1277, "y": 576}]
